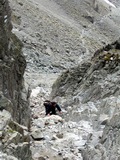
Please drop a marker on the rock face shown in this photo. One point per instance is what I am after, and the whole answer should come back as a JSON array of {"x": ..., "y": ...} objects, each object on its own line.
[
  {"x": 12, "y": 66},
  {"x": 94, "y": 89},
  {"x": 13, "y": 96},
  {"x": 86, "y": 80}
]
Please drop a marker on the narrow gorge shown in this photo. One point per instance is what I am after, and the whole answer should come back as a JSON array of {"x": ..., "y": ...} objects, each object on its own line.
[{"x": 66, "y": 51}]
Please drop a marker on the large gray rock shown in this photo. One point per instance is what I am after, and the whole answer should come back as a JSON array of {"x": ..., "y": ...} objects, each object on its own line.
[
  {"x": 111, "y": 138},
  {"x": 4, "y": 156},
  {"x": 12, "y": 66},
  {"x": 108, "y": 147},
  {"x": 13, "y": 136}
]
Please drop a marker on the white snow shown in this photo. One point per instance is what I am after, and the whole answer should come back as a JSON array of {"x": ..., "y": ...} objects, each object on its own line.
[
  {"x": 35, "y": 92},
  {"x": 5, "y": 17},
  {"x": 111, "y": 4},
  {"x": 38, "y": 90}
]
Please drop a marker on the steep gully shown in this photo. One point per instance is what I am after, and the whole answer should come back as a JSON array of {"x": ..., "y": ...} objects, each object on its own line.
[
  {"x": 50, "y": 140},
  {"x": 55, "y": 139}
]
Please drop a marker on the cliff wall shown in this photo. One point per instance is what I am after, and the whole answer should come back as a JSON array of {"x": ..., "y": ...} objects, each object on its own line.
[
  {"x": 14, "y": 105},
  {"x": 12, "y": 66}
]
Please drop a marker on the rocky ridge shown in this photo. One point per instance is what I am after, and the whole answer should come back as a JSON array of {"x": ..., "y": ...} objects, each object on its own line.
[{"x": 92, "y": 89}]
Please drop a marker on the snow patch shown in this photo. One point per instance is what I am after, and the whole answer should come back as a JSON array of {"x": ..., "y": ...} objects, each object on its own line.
[
  {"x": 111, "y": 4},
  {"x": 38, "y": 90},
  {"x": 35, "y": 92}
]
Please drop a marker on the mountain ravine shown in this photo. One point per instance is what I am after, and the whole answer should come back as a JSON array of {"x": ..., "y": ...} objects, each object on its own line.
[{"x": 66, "y": 51}]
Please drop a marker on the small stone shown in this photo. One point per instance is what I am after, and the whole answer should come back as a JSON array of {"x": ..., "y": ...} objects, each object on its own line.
[
  {"x": 20, "y": 3},
  {"x": 41, "y": 158},
  {"x": 54, "y": 138},
  {"x": 67, "y": 50},
  {"x": 60, "y": 154},
  {"x": 65, "y": 158},
  {"x": 59, "y": 135},
  {"x": 37, "y": 135},
  {"x": 35, "y": 117},
  {"x": 72, "y": 150},
  {"x": 104, "y": 122}
]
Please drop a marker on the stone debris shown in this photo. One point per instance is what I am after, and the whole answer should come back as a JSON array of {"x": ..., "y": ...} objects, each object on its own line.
[{"x": 59, "y": 41}]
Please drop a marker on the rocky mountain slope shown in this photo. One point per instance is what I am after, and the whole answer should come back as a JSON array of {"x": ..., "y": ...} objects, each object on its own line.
[
  {"x": 75, "y": 42},
  {"x": 61, "y": 34},
  {"x": 92, "y": 89}
]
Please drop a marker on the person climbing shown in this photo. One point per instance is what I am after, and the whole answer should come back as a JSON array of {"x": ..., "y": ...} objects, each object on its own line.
[
  {"x": 50, "y": 107},
  {"x": 47, "y": 106}
]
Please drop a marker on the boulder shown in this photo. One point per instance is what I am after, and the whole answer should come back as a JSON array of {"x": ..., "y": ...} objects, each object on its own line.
[
  {"x": 4, "y": 156},
  {"x": 5, "y": 117},
  {"x": 53, "y": 119},
  {"x": 37, "y": 135}
]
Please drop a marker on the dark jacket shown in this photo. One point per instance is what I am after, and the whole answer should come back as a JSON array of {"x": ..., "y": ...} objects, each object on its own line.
[{"x": 50, "y": 107}]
